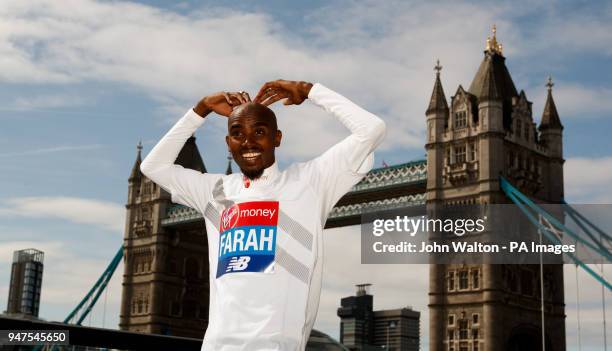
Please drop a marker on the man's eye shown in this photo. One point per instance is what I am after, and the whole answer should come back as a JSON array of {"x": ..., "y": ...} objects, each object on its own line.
[
  {"x": 260, "y": 132},
  {"x": 236, "y": 134}
]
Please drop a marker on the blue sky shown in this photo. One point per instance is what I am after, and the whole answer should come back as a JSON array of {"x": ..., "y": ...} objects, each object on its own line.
[{"x": 82, "y": 81}]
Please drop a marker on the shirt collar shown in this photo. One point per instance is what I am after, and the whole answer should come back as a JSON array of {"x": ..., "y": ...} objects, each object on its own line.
[{"x": 268, "y": 176}]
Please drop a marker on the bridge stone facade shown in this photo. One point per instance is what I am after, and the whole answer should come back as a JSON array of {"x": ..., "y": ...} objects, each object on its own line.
[{"x": 486, "y": 132}]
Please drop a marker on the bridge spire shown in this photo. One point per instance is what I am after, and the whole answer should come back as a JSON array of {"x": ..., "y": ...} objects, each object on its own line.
[
  {"x": 229, "y": 171},
  {"x": 550, "y": 116},
  {"x": 136, "y": 174},
  {"x": 437, "y": 103}
]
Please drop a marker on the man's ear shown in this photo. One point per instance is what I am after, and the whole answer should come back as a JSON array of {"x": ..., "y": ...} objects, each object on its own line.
[{"x": 277, "y": 138}]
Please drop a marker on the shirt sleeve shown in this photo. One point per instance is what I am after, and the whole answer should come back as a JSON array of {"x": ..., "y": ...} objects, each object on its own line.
[
  {"x": 337, "y": 170},
  {"x": 187, "y": 186}
]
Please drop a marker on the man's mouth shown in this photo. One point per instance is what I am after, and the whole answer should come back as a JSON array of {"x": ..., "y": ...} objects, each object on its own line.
[{"x": 251, "y": 156}]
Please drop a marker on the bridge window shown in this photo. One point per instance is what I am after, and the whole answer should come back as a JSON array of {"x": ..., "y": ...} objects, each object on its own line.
[
  {"x": 460, "y": 154},
  {"x": 175, "y": 308},
  {"x": 527, "y": 282},
  {"x": 451, "y": 319},
  {"x": 475, "y": 280},
  {"x": 451, "y": 334},
  {"x": 472, "y": 151},
  {"x": 463, "y": 280},
  {"x": 448, "y": 156},
  {"x": 463, "y": 329},
  {"x": 460, "y": 119},
  {"x": 451, "y": 281},
  {"x": 527, "y": 131},
  {"x": 475, "y": 318}
]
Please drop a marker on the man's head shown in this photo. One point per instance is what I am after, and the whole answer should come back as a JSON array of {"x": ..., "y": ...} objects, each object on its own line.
[{"x": 252, "y": 136}]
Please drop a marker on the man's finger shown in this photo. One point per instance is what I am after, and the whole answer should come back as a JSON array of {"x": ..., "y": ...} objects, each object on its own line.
[
  {"x": 227, "y": 98},
  {"x": 238, "y": 96},
  {"x": 263, "y": 89},
  {"x": 269, "y": 92},
  {"x": 272, "y": 99},
  {"x": 246, "y": 96}
]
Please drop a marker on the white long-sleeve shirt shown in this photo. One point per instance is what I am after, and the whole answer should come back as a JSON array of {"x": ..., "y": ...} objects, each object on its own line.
[{"x": 265, "y": 247}]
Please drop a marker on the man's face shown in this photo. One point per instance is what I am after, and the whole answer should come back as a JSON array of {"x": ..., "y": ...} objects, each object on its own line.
[{"x": 252, "y": 138}]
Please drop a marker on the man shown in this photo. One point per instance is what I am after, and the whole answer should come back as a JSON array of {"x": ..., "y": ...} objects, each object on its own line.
[{"x": 265, "y": 225}]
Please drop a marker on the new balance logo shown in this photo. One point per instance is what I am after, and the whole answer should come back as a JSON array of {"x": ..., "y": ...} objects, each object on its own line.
[{"x": 238, "y": 264}]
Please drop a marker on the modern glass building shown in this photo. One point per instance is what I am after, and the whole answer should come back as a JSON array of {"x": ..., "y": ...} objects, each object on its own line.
[
  {"x": 363, "y": 329},
  {"x": 26, "y": 283}
]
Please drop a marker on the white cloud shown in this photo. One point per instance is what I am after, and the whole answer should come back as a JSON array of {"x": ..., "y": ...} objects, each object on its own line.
[
  {"x": 108, "y": 215},
  {"x": 380, "y": 55},
  {"x": 179, "y": 58},
  {"x": 587, "y": 180},
  {"x": 48, "y": 101},
  {"x": 53, "y": 149}
]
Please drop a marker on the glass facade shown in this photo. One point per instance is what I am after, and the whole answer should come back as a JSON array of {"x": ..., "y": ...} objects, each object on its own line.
[{"x": 26, "y": 282}]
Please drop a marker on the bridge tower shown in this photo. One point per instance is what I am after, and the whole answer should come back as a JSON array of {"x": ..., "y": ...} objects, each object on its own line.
[
  {"x": 488, "y": 131},
  {"x": 165, "y": 279}
]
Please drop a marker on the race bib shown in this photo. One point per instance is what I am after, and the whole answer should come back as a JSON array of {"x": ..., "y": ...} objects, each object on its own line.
[{"x": 247, "y": 241}]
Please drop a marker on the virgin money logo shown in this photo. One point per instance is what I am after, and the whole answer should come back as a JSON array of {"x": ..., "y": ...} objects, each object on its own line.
[{"x": 230, "y": 217}]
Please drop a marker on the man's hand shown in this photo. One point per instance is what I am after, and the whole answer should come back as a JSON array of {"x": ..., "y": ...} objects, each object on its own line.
[
  {"x": 222, "y": 103},
  {"x": 294, "y": 92}
]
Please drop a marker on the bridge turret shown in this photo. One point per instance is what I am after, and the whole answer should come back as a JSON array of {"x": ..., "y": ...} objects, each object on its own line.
[
  {"x": 135, "y": 179},
  {"x": 551, "y": 136},
  {"x": 437, "y": 116},
  {"x": 551, "y": 129}
]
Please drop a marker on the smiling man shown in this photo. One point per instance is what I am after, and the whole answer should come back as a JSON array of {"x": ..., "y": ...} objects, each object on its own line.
[{"x": 265, "y": 225}]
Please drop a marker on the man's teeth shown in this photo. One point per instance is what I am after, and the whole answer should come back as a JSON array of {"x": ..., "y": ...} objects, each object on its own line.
[{"x": 251, "y": 155}]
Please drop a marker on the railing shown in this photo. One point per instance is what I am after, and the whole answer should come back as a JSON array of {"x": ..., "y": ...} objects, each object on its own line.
[
  {"x": 101, "y": 338},
  {"x": 90, "y": 339}
]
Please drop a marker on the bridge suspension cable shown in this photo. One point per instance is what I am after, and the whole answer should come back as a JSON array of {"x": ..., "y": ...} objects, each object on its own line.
[
  {"x": 530, "y": 209},
  {"x": 85, "y": 306}
]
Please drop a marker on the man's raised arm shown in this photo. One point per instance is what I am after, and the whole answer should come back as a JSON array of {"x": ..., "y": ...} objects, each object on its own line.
[
  {"x": 186, "y": 185},
  {"x": 344, "y": 164}
]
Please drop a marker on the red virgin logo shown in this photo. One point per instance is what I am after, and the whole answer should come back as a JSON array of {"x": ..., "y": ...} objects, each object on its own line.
[{"x": 230, "y": 217}]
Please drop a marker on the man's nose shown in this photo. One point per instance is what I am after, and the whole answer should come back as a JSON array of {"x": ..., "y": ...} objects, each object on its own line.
[{"x": 249, "y": 140}]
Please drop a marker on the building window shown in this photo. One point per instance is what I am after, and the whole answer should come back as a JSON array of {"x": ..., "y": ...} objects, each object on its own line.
[
  {"x": 475, "y": 280},
  {"x": 472, "y": 151},
  {"x": 460, "y": 154},
  {"x": 527, "y": 131},
  {"x": 460, "y": 119},
  {"x": 475, "y": 318},
  {"x": 451, "y": 319},
  {"x": 475, "y": 334},
  {"x": 463, "y": 329},
  {"x": 527, "y": 282},
  {"x": 463, "y": 280},
  {"x": 475, "y": 348},
  {"x": 175, "y": 308},
  {"x": 448, "y": 156},
  {"x": 451, "y": 281},
  {"x": 451, "y": 335}
]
